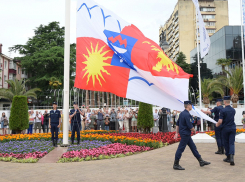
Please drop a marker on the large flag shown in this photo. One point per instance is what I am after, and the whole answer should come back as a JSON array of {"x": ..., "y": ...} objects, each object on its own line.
[
  {"x": 243, "y": 16},
  {"x": 204, "y": 37},
  {"x": 114, "y": 56}
]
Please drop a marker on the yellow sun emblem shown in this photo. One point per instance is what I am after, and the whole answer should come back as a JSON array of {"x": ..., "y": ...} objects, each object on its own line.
[
  {"x": 165, "y": 61},
  {"x": 95, "y": 64}
]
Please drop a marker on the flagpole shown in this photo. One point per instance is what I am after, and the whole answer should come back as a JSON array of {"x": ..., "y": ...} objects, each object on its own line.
[
  {"x": 199, "y": 73},
  {"x": 243, "y": 64},
  {"x": 66, "y": 73}
]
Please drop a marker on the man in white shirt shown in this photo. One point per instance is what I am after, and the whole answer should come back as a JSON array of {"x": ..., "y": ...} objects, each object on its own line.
[
  {"x": 37, "y": 118},
  {"x": 156, "y": 117}
]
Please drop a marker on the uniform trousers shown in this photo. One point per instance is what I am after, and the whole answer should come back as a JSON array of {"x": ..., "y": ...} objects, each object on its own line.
[
  {"x": 229, "y": 134},
  {"x": 218, "y": 136},
  {"x": 75, "y": 127},
  {"x": 54, "y": 129},
  {"x": 186, "y": 140}
]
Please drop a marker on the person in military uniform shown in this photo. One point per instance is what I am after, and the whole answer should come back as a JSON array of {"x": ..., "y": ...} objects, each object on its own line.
[
  {"x": 54, "y": 123},
  {"x": 75, "y": 116},
  {"x": 184, "y": 127},
  {"x": 218, "y": 130},
  {"x": 226, "y": 118}
]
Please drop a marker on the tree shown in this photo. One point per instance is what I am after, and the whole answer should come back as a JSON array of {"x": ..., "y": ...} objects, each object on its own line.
[
  {"x": 209, "y": 86},
  {"x": 223, "y": 62},
  {"x": 19, "y": 117},
  {"x": 181, "y": 61},
  {"x": 234, "y": 82},
  {"x": 145, "y": 117},
  {"x": 17, "y": 88},
  {"x": 43, "y": 56}
]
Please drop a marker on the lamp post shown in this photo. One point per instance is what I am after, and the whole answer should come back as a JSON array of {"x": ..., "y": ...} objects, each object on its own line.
[{"x": 164, "y": 45}]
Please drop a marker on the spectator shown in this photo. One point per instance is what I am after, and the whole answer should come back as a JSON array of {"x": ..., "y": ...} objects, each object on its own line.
[
  {"x": 113, "y": 119},
  {"x": 46, "y": 121},
  {"x": 92, "y": 123},
  {"x": 96, "y": 119},
  {"x": 134, "y": 122},
  {"x": 84, "y": 118},
  {"x": 121, "y": 118},
  {"x": 37, "y": 122},
  {"x": 243, "y": 121},
  {"x": 198, "y": 124},
  {"x": 126, "y": 121},
  {"x": 193, "y": 121},
  {"x": 100, "y": 122},
  {"x": 88, "y": 120},
  {"x": 160, "y": 114},
  {"x": 169, "y": 121},
  {"x": 42, "y": 121},
  {"x": 156, "y": 117},
  {"x": 4, "y": 120},
  {"x": 31, "y": 121},
  {"x": 61, "y": 121},
  {"x": 107, "y": 123}
]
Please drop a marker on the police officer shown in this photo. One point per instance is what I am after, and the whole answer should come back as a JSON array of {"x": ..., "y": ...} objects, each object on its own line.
[
  {"x": 75, "y": 122},
  {"x": 218, "y": 130},
  {"x": 184, "y": 127},
  {"x": 226, "y": 118},
  {"x": 54, "y": 123}
]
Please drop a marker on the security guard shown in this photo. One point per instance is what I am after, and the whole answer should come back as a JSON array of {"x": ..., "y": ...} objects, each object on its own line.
[
  {"x": 54, "y": 123},
  {"x": 226, "y": 118},
  {"x": 184, "y": 127},
  {"x": 75, "y": 122},
  {"x": 218, "y": 130}
]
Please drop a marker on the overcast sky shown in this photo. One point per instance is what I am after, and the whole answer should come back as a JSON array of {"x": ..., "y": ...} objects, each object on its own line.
[{"x": 18, "y": 18}]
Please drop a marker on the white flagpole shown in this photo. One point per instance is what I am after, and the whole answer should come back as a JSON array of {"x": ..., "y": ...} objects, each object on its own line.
[
  {"x": 242, "y": 39},
  {"x": 66, "y": 73},
  {"x": 199, "y": 72}
]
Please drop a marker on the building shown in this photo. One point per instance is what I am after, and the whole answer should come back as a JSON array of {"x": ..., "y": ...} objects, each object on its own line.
[
  {"x": 180, "y": 28},
  {"x": 226, "y": 43}
]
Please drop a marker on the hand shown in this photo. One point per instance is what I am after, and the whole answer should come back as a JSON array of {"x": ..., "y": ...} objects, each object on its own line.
[
  {"x": 202, "y": 110},
  {"x": 49, "y": 126},
  {"x": 176, "y": 136},
  {"x": 58, "y": 126},
  {"x": 194, "y": 131},
  {"x": 216, "y": 125}
]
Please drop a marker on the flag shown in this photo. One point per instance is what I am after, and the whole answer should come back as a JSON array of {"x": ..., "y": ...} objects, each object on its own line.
[
  {"x": 204, "y": 37},
  {"x": 114, "y": 56},
  {"x": 243, "y": 15}
]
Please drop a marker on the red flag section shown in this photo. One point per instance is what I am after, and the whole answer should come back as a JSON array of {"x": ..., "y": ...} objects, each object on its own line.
[{"x": 94, "y": 70}]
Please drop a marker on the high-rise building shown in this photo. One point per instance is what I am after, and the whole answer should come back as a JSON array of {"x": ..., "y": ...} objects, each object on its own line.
[{"x": 180, "y": 28}]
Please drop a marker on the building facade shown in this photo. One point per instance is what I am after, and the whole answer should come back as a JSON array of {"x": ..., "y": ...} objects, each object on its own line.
[{"x": 180, "y": 28}]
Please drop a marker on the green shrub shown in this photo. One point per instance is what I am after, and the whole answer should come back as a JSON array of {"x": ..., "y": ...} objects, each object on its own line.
[
  {"x": 145, "y": 117},
  {"x": 19, "y": 117}
]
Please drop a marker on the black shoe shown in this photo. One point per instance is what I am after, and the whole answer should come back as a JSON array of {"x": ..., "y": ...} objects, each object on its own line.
[
  {"x": 72, "y": 142},
  {"x": 53, "y": 143},
  {"x": 219, "y": 151},
  {"x": 232, "y": 163},
  {"x": 78, "y": 142},
  {"x": 227, "y": 159},
  {"x": 223, "y": 150},
  {"x": 202, "y": 162},
  {"x": 177, "y": 166}
]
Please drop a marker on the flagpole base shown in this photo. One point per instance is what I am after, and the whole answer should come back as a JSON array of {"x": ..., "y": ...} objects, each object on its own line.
[
  {"x": 203, "y": 138},
  {"x": 240, "y": 138},
  {"x": 65, "y": 145}
]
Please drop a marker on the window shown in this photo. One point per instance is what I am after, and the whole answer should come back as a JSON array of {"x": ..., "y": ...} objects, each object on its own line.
[
  {"x": 23, "y": 71},
  {"x": 210, "y": 30},
  {"x": 5, "y": 64},
  {"x": 209, "y": 23},
  {"x": 5, "y": 78},
  {"x": 18, "y": 70},
  {"x": 208, "y": 16},
  {"x": 207, "y": 9}
]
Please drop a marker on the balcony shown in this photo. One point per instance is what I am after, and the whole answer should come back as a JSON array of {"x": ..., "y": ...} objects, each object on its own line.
[
  {"x": 12, "y": 71},
  {"x": 24, "y": 76}
]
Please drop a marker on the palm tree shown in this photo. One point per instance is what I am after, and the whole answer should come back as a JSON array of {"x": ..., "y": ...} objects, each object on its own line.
[
  {"x": 87, "y": 98},
  {"x": 223, "y": 62},
  {"x": 209, "y": 86},
  {"x": 234, "y": 82},
  {"x": 92, "y": 99},
  {"x": 17, "y": 87}
]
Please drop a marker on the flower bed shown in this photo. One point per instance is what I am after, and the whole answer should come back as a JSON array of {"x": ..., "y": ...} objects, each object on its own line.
[
  {"x": 86, "y": 144},
  {"x": 238, "y": 131},
  {"x": 105, "y": 152}
]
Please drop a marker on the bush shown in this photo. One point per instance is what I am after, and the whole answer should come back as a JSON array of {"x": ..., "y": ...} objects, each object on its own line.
[
  {"x": 19, "y": 117},
  {"x": 145, "y": 117}
]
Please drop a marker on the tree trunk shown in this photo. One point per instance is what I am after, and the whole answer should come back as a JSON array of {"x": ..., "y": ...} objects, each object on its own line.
[
  {"x": 234, "y": 99},
  {"x": 206, "y": 100},
  {"x": 92, "y": 99},
  {"x": 112, "y": 100},
  {"x": 87, "y": 98},
  {"x": 118, "y": 101},
  {"x": 103, "y": 98},
  {"x": 98, "y": 99},
  {"x": 107, "y": 99}
]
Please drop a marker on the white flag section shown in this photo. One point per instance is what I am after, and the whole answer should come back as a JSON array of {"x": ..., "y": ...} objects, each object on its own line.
[
  {"x": 243, "y": 15},
  {"x": 204, "y": 37},
  {"x": 92, "y": 21}
]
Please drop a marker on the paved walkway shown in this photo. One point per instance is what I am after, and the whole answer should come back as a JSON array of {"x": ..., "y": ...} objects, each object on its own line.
[
  {"x": 150, "y": 166},
  {"x": 54, "y": 155}
]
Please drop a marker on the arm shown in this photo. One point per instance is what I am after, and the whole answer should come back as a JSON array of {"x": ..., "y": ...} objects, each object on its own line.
[
  {"x": 221, "y": 117},
  {"x": 177, "y": 132},
  {"x": 219, "y": 122},
  {"x": 49, "y": 123},
  {"x": 206, "y": 112}
]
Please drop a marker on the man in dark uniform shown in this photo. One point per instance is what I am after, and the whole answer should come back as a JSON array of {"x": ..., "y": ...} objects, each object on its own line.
[
  {"x": 218, "y": 130},
  {"x": 226, "y": 118},
  {"x": 75, "y": 122},
  {"x": 184, "y": 128},
  {"x": 54, "y": 123}
]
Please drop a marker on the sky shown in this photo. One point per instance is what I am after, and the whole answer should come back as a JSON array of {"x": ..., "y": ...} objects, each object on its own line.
[{"x": 18, "y": 18}]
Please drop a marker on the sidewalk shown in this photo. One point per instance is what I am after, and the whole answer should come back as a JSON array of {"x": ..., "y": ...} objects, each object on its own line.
[{"x": 150, "y": 166}]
